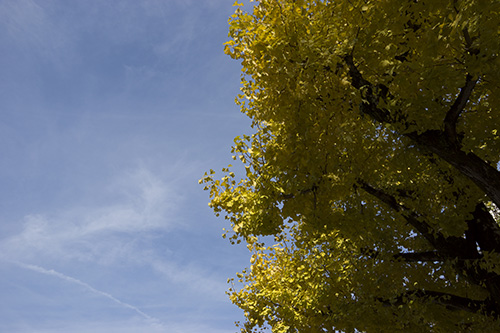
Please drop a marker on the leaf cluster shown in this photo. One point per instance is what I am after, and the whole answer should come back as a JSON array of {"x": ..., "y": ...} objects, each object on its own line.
[{"x": 373, "y": 164}]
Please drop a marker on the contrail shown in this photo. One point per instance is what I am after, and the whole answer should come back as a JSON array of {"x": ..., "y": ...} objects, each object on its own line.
[{"x": 154, "y": 321}]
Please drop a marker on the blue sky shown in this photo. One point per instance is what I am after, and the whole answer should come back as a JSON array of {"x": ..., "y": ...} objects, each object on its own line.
[{"x": 110, "y": 112}]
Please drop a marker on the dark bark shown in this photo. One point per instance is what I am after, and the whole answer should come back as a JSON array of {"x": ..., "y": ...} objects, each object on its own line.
[
  {"x": 425, "y": 256},
  {"x": 450, "y": 121},
  {"x": 484, "y": 230},
  {"x": 450, "y": 301},
  {"x": 450, "y": 247},
  {"x": 485, "y": 176},
  {"x": 455, "y": 247},
  {"x": 442, "y": 143}
]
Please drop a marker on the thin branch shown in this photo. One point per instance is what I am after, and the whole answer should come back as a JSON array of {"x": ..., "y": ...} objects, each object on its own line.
[
  {"x": 407, "y": 256},
  {"x": 301, "y": 192},
  {"x": 450, "y": 301},
  {"x": 468, "y": 42},
  {"x": 450, "y": 121},
  {"x": 411, "y": 217},
  {"x": 370, "y": 93},
  {"x": 423, "y": 256},
  {"x": 428, "y": 256},
  {"x": 453, "y": 247}
]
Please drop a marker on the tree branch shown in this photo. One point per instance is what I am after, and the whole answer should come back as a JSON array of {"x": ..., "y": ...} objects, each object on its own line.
[
  {"x": 411, "y": 217},
  {"x": 468, "y": 42},
  {"x": 453, "y": 247},
  {"x": 409, "y": 256},
  {"x": 426, "y": 256},
  {"x": 370, "y": 93},
  {"x": 450, "y": 301},
  {"x": 484, "y": 175},
  {"x": 448, "y": 247},
  {"x": 423, "y": 256},
  {"x": 450, "y": 121}
]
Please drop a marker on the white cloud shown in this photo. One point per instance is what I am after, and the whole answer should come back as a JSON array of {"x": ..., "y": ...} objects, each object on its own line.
[
  {"x": 139, "y": 209},
  {"x": 94, "y": 87},
  {"x": 139, "y": 202},
  {"x": 154, "y": 322}
]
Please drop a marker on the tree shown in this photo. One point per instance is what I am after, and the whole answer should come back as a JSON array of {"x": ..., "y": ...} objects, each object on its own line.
[{"x": 373, "y": 165}]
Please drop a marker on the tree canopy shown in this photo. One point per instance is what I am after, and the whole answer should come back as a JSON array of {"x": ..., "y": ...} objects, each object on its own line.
[{"x": 373, "y": 165}]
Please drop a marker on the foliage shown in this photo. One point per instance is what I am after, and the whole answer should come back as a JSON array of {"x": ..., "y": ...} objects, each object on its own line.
[{"x": 373, "y": 165}]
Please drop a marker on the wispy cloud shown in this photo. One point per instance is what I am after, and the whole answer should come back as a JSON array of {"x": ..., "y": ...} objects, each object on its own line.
[
  {"x": 29, "y": 27},
  {"x": 151, "y": 320},
  {"x": 130, "y": 223},
  {"x": 138, "y": 202},
  {"x": 111, "y": 108},
  {"x": 67, "y": 35}
]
